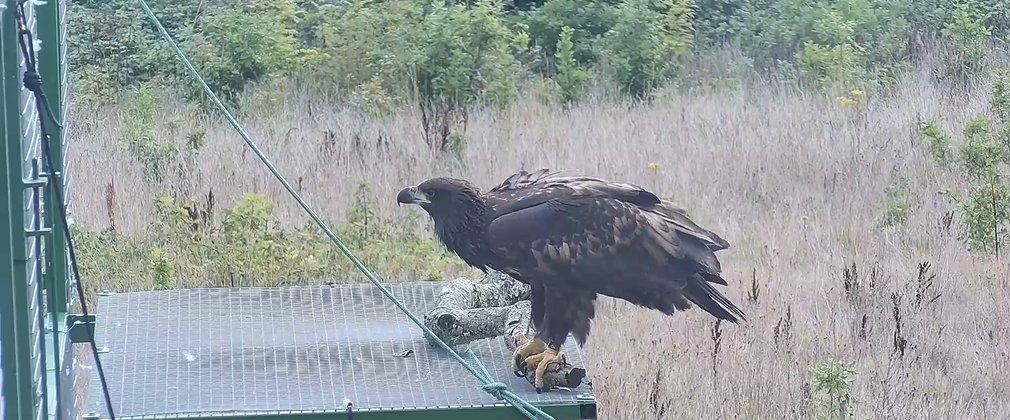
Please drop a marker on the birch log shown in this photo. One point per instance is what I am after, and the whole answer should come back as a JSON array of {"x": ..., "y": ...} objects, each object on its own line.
[{"x": 496, "y": 305}]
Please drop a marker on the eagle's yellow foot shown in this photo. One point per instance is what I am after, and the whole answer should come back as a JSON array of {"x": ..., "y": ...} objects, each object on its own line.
[
  {"x": 525, "y": 348},
  {"x": 542, "y": 360}
]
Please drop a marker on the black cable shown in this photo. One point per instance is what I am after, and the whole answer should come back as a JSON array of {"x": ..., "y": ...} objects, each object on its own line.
[{"x": 33, "y": 81}]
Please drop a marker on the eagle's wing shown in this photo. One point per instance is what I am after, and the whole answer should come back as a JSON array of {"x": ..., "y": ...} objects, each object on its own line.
[
  {"x": 523, "y": 179},
  {"x": 523, "y": 189},
  {"x": 610, "y": 238}
]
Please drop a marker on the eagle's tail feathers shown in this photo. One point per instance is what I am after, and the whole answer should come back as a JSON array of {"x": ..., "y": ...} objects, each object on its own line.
[
  {"x": 714, "y": 278},
  {"x": 710, "y": 300}
]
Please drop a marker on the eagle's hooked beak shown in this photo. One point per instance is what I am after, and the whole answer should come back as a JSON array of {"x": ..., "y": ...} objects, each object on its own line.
[{"x": 411, "y": 195}]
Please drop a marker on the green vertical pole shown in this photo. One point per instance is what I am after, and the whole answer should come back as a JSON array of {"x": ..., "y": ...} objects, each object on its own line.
[
  {"x": 8, "y": 337},
  {"x": 17, "y": 325},
  {"x": 49, "y": 31},
  {"x": 50, "y": 63}
]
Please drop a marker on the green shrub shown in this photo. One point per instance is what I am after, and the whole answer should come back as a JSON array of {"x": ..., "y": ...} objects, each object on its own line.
[
  {"x": 162, "y": 269},
  {"x": 453, "y": 57},
  {"x": 968, "y": 33},
  {"x": 830, "y": 67},
  {"x": 647, "y": 44},
  {"x": 246, "y": 248},
  {"x": 111, "y": 46},
  {"x": 937, "y": 140},
  {"x": 897, "y": 208},
  {"x": 721, "y": 21},
  {"x": 981, "y": 151},
  {"x": 235, "y": 47},
  {"x": 108, "y": 260},
  {"x": 986, "y": 214},
  {"x": 985, "y": 153},
  {"x": 155, "y": 152},
  {"x": 589, "y": 20},
  {"x": 857, "y": 41},
  {"x": 832, "y": 383},
  {"x": 571, "y": 77},
  {"x": 466, "y": 58},
  {"x": 449, "y": 56}
]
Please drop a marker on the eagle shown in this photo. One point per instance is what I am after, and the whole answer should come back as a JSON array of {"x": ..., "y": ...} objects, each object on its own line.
[{"x": 571, "y": 239}]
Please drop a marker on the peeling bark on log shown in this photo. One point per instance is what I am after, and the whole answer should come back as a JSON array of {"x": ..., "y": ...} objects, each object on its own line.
[{"x": 496, "y": 305}]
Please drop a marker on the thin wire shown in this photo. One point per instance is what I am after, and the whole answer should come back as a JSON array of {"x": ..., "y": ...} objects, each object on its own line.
[
  {"x": 33, "y": 82},
  {"x": 499, "y": 390}
]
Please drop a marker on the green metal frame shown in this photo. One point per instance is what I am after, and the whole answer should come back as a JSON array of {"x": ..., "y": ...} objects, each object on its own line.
[
  {"x": 20, "y": 402},
  {"x": 18, "y": 353},
  {"x": 52, "y": 33},
  {"x": 8, "y": 325},
  {"x": 496, "y": 412}
]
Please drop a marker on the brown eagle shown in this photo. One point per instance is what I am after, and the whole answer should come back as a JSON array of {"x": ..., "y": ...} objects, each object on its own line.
[{"x": 572, "y": 238}]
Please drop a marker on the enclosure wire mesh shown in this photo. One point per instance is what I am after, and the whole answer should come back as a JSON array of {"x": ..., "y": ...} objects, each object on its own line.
[
  {"x": 31, "y": 147},
  {"x": 299, "y": 348}
]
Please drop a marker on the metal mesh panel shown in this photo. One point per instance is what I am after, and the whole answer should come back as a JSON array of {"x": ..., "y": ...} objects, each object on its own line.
[
  {"x": 68, "y": 192},
  {"x": 72, "y": 393},
  {"x": 288, "y": 349},
  {"x": 65, "y": 106},
  {"x": 26, "y": 337},
  {"x": 31, "y": 147}
]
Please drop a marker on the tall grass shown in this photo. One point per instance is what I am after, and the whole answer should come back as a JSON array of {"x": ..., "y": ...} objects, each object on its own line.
[{"x": 797, "y": 183}]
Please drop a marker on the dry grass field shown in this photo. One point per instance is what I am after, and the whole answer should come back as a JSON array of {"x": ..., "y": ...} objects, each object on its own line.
[{"x": 797, "y": 183}]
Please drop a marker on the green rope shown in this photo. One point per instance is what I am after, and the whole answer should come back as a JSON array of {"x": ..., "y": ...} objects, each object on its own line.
[{"x": 497, "y": 389}]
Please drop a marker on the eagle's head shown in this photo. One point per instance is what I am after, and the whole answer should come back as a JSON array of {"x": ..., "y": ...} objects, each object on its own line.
[
  {"x": 442, "y": 197},
  {"x": 459, "y": 212}
]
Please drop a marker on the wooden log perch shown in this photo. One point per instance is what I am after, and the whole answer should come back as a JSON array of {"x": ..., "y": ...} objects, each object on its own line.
[{"x": 496, "y": 305}]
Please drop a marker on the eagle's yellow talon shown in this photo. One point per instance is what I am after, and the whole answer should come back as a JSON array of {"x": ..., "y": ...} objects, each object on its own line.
[
  {"x": 542, "y": 360},
  {"x": 526, "y": 348}
]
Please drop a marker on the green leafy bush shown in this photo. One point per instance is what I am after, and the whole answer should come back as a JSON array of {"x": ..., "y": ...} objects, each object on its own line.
[
  {"x": 571, "y": 78},
  {"x": 111, "y": 47},
  {"x": 832, "y": 382},
  {"x": 589, "y": 20},
  {"x": 986, "y": 210},
  {"x": 156, "y": 153},
  {"x": 985, "y": 152},
  {"x": 986, "y": 213},
  {"x": 449, "y": 56},
  {"x": 647, "y": 44},
  {"x": 465, "y": 58},
  {"x": 968, "y": 33},
  {"x": 185, "y": 247},
  {"x": 830, "y": 67},
  {"x": 234, "y": 47},
  {"x": 718, "y": 22},
  {"x": 898, "y": 206},
  {"x": 938, "y": 141},
  {"x": 111, "y": 260}
]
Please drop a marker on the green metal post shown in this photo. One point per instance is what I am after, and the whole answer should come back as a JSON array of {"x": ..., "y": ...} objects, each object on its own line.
[
  {"x": 17, "y": 325},
  {"x": 50, "y": 32},
  {"x": 8, "y": 337}
]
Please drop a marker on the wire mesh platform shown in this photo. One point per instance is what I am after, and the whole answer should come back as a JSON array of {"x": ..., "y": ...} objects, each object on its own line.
[{"x": 200, "y": 352}]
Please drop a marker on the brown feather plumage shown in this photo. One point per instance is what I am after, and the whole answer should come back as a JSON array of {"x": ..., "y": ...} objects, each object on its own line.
[{"x": 575, "y": 237}]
